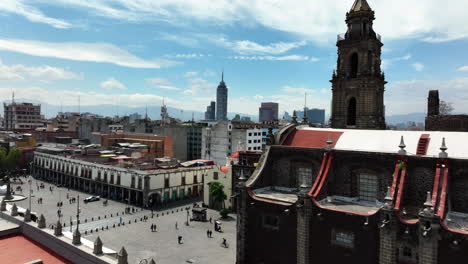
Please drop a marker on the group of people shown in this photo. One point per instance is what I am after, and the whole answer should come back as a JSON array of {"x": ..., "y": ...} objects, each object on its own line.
[
  {"x": 209, "y": 233},
  {"x": 154, "y": 228},
  {"x": 39, "y": 200}
]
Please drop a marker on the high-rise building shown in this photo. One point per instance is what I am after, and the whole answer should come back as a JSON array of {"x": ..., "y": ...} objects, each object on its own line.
[
  {"x": 22, "y": 116},
  {"x": 210, "y": 113},
  {"x": 358, "y": 83},
  {"x": 314, "y": 115},
  {"x": 268, "y": 112},
  {"x": 221, "y": 100}
]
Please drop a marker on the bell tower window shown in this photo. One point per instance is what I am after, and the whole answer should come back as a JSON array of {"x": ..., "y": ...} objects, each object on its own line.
[
  {"x": 354, "y": 65},
  {"x": 352, "y": 112}
]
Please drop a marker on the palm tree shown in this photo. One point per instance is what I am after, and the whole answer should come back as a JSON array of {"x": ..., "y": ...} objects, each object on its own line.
[{"x": 217, "y": 193}]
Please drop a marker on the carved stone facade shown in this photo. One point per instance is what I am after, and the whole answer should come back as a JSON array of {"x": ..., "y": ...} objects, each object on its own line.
[{"x": 358, "y": 83}]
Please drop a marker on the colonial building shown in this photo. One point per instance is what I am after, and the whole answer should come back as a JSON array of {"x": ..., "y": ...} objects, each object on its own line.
[
  {"x": 358, "y": 82},
  {"x": 356, "y": 196},
  {"x": 436, "y": 121},
  {"x": 143, "y": 187}
]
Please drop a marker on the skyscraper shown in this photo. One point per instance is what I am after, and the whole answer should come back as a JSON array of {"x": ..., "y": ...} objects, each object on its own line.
[
  {"x": 268, "y": 112},
  {"x": 210, "y": 113},
  {"x": 221, "y": 100},
  {"x": 358, "y": 83}
]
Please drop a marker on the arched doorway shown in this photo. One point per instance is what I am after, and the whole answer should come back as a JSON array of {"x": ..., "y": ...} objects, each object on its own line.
[
  {"x": 351, "y": 112},
  {"x": 354, "y": 65}
]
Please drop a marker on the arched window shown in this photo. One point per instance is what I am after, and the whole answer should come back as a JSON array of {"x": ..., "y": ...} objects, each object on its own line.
[
  {"x": 368, "y": 187},
  {"x": 351, "y": 112},
  {"x": 354, "y": 65}
]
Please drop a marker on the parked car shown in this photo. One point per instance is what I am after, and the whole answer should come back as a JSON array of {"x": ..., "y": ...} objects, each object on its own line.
[{"x": 92, "y": 199}]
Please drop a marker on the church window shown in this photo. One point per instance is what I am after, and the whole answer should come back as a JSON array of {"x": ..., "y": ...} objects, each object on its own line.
[
  {"x": 352, "y": 112},
  {"x": 304, "y": 175},
  {"x": 342, "y": 238},
  {"x": 354, "y": 65},
  {"x": 270, "y": 222},
  {"x": 368, "y": 187}
]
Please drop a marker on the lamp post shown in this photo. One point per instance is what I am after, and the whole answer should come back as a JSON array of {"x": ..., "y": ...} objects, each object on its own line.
[
  {"x": 30, "y": 191},
  {"x": 78, "y": 212}
]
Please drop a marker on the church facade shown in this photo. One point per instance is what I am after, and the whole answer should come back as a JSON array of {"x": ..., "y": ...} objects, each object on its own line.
[{"x": 358, "y": 82}]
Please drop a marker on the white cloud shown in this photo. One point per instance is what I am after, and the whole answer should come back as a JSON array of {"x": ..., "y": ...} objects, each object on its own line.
[
  {"x": 69, "y": 97},
  {"x": 20, "y": 72},
  {"x": 319, "y": 22},
  {"x": 297, "y": 90},
  {"x": 190, "y": 74},
  {"x": 200, "y": 87},
  {"x": 397, "y": 94},
  {"x": 314, "y": 59},
  {"x": 386, "y": 63},
  {"x": 80, "y": 51},
  {"x": 418, "y": 66},
  {"x": 31, "y": 13},
  {"x": 161, "y": 83},
  {"x": 113, "y": 85},
  {"x": 272, "y": 58},
  {"x": 250, "y": 47},
  {"x": 188, "y": 56},
  {"x": 463, "y": 68}
]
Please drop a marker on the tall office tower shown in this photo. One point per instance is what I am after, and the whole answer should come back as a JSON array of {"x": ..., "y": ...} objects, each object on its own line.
[{"x": 221, "y": 100}]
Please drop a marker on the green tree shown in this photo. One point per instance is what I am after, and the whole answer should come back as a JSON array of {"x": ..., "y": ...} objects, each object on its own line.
[
  {"x": 217, "y": 192},
  {"x": 9, "y": 160}
]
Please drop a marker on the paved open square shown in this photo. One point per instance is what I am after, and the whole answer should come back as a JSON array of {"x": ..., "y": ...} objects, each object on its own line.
[{"x": 119, "y": 224}]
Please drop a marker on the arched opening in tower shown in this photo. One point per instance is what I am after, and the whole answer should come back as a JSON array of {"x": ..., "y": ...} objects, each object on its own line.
[
  {"x": 351, "y": 112},
  {"x": 354, "y": 65}
]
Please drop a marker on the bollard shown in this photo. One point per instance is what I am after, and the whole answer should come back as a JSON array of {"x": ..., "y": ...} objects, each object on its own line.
[
  {"x": 135, "y": 220},
  {"x": 172, "y": 212},
  {"x": 113, "y": 226},
  {"x": 118, "y": 224},
  {"x": 157, "y": 215},
  {"x": 85, "y": 232},
  {"x": 141, "y": 219},
  {"x": 105, "y": 216},
  {"x": 107, "y": 227},
  {"x": 117, "y": 214},
  {"x": 102, "y": 228},
  {"x": 64, "y": 224},
  {"x": 91, "y": 231},
  {"x": 99, "y": 218},
  {"x": 111, "y": 215},
  {"x": 129, "y": 221},
  {"x": 97, "y": 229},
  {"x": 123, "y": 223},
  {"x": 86, "y": 220},
  {"x": 92, "y": 218}
]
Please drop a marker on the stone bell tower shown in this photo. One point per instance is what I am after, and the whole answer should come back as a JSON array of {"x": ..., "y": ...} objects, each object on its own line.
[{"x": 358, "y": 83}]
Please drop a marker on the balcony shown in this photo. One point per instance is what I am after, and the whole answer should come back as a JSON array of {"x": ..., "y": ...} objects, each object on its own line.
[{"x": 342, "y": 36}]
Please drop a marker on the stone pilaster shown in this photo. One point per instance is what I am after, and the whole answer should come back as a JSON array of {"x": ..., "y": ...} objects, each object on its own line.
[
  {"x": 304, "y": 224},
  {"x": 429, "y": 235},
  {"x": 242, "y": 218},
  {"x": 388, "y": 237}
]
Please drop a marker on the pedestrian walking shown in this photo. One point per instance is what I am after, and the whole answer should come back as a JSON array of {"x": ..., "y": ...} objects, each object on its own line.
[
  {"x": 179, "y": 239},
  {"x": 210, "y": 220},
  {"x": 152, "y": 228},
  {"x": 176, "y": 226},
  {"x": 155, "y": 228},
  {"x": 207, "y": 233}
]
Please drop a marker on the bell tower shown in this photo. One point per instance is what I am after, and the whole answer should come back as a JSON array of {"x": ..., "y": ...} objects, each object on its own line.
[{"x": 358, "y": 82}]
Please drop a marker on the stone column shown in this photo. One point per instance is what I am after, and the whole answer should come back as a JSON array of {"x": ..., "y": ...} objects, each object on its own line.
[
  {"x": 242, "y": 221},
  {"x": 97, "y": 250},
  {"x": 41, "y": 223},
  {"x": 58, "y": 229},
  {"x": 429, "y": 234},
  {"x": 388, "y": 232},
  {"x": 76, "y": 237},
  {"x": 304, "y": 223}
]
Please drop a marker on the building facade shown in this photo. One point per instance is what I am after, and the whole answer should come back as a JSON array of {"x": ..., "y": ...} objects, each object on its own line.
[
  {"x": 143, "y": 188},
  {"x": 210, "y": 113},
  {"x": 435, "y": 121},
  {"x": 268, "y": 112},
  {"x": 221, "y": 100},
  {"x": 355, "y": 196},
  {"x": 358, "y": 82},
  {"x": 22, "y": 116}
]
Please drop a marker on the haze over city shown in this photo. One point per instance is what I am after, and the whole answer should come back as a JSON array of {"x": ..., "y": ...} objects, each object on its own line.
[{"x": 135, "y": 53}]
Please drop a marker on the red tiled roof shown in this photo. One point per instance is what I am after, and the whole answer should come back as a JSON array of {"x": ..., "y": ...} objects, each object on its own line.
[
  {"x": 19, "y": 249},
  {"x": 311, "y": 138}
]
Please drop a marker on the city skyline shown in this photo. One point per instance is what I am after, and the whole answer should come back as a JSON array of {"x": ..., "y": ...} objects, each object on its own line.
[{"x": 265, "y": 59}]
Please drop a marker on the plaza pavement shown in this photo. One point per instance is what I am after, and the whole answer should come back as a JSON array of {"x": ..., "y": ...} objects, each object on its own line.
[{"x": 137, "y": 237}]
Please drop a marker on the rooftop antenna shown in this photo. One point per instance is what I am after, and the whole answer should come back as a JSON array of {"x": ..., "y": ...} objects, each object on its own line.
[
  {"x": 13, "y": 96},
  {"x": 146, "y": 112},
  {"x": 222, "y": 75},
  {"x": 193, "y": 120},
  {"x": 79, "y": 105}
]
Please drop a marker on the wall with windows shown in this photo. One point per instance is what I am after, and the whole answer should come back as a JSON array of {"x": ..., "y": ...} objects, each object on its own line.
[{"x": 223, "y": 176}]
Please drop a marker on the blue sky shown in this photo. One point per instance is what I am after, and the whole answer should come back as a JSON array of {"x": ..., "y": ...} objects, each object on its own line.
[{"x": 137, "y": 52}]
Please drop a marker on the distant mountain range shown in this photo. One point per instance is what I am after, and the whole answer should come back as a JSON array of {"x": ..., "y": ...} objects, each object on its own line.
[{"x": 154, "y": 112}]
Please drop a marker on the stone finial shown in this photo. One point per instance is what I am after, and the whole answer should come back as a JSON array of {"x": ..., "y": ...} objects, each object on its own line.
[
  {"x": 76, "y": 237},
  {"x": 58, "y": 229},
  {"x": 329, "y": 142},
  {"x": 41, "y": 223},
  {"x": 443, "y": 148},
  {"x": 428, "y": 206},
  {"x": 242, "y": 176},
  {"x": 14, "y": 210},
  {"x": 294, "y": 117},
  {"x": 122, "y": 256},
  {"x": 388, "y": 198},
  {"x": 27, "y": 215},
  {"x": 402, "y": 147},
  {"x": 3, "y": 205},
  {"x": 97, "y": 246},
  {"x": 152, "y": 261}
]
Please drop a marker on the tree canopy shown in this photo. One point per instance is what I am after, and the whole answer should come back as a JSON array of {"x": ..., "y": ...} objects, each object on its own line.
[
  {"x": 217, "y": 192},
  {"x": 9, "y": 160}
]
